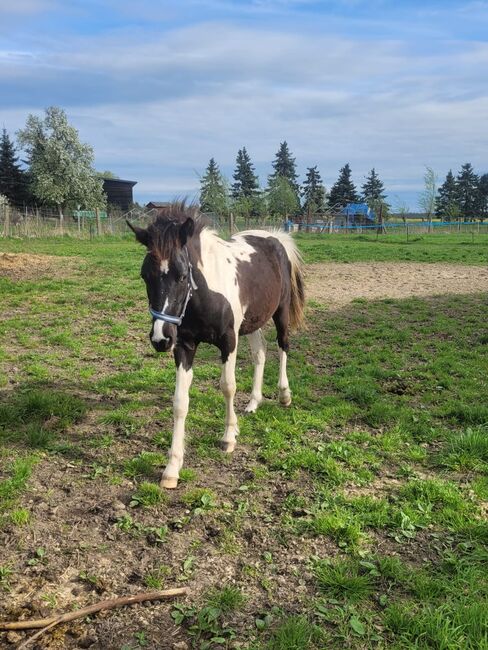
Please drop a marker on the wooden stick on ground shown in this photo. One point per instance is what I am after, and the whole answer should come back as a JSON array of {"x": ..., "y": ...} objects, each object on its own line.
[{"x": 48, "y": 623}]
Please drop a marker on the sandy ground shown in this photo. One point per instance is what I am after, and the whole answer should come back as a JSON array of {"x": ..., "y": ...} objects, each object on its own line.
[
  {"x": 337, "y": 284},
  {"x": 23, "y": 266},
  {"x": 332, "y": 283}
]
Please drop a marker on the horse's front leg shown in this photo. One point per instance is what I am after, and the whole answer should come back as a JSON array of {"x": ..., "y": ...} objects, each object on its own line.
[
  {"x": 184, "y": 375},
  {"x": 228, "y": 386}
]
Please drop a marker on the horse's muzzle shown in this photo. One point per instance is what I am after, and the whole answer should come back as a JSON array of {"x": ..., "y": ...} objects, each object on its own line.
[{"x": 163, "y": 346}]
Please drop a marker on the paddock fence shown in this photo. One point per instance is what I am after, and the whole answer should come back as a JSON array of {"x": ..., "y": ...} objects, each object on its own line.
[{"x": 29, "y": 222}]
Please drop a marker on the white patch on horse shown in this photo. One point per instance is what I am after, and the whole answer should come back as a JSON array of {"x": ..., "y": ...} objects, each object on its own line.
[
  {"x": 164, "y": 266},
  {"x": 157, "y": 334},
  {"x": 220, "y": 271}
]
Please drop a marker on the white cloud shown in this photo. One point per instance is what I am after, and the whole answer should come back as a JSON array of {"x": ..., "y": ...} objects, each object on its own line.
[{"x": 157, "y": 109}]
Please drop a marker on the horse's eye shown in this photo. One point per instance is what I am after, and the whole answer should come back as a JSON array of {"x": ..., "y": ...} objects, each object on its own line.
[{"x": 182, "y": 278}]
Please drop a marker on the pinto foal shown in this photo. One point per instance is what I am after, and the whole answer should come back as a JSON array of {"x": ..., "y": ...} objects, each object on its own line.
[{"x": 204, "y": 289}]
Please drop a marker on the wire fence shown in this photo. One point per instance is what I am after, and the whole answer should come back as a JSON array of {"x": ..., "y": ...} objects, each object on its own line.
[
  {"x": 28, "y": 221},
  {"x": 405, "y": 227}
]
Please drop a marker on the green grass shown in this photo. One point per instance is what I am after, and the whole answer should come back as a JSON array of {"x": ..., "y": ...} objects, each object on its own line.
[
  {"x": 343, "y": 580},
  {"x": 451, "y": 248},
  {"x": 354, "y": 519}
]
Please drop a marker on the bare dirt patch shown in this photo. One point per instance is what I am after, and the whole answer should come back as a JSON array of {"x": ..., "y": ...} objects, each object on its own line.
[
  {"x": 22, "y": 266},
  {"x": 338, "y": 284}
]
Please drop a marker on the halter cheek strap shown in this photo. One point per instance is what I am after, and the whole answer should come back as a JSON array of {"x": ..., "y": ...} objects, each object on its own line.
[{"x": 191, "y": 286}]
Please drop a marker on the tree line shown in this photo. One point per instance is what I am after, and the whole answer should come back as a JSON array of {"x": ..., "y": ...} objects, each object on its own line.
[
  {"x": 283, "y": 196},
  {"x": 58, "y": 171},
  {"x": 464, "y": 196}
]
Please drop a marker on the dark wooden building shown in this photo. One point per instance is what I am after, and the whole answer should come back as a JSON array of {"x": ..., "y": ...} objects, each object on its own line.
[
  {"x": 119, "y": 192},
  {"x": 157, "y": 206}
]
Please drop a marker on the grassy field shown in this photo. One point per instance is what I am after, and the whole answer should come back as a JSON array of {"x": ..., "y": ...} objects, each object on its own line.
[{"x": 354, "y": 519}]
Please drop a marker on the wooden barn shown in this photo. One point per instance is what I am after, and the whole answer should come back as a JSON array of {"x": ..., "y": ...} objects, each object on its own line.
[
  {"x": 157, "y": 206},
  {"x": 119, "y": 192}
]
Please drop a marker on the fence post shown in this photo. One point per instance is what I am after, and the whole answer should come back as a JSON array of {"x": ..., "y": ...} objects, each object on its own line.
[
  {"x": 99, "y": 224},
  {"x": 6, "y": 229}
]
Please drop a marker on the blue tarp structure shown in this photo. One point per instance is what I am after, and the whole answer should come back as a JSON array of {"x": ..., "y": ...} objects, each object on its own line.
[{"x": 358, "y": 209}]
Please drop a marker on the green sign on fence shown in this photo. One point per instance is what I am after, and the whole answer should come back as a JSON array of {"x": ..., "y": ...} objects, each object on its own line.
[{"x": 89, "y": 214}]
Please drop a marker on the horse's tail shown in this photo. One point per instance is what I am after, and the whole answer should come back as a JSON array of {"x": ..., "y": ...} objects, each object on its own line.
[{"x": 297, "y": 298}]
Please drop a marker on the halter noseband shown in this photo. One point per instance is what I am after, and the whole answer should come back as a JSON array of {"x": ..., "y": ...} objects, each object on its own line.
[{"x": 191, "y": 286}]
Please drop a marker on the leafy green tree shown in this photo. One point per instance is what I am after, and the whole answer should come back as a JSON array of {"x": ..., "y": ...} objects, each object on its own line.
[
  {"x": 246, "y": 182},
  {"x": 213, "y": 190},
  {"x": 427, "y": 197},
  {"x": 343, "y": 191},
  {"x": 313, "y": 193},
  {"x": 284, "y": 166},
  {"x": 60, "y": 166},
  {"x": 282, "y": 198},
  {"x": 373, "y": 190},
  {"x": 107, "y": 174},
  {"x": 468, "y": 195},
  {"x": 13, "y": 181},
  {"x": 446, "y": 206}
]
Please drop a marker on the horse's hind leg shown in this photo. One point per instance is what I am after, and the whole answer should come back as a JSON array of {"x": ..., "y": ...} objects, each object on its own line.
[
  {"x": 258, "y": 351},
  {"x": 281, "y": 319}
]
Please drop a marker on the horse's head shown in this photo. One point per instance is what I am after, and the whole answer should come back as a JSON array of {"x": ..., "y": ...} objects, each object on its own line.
[{"x": 167, "y": 272}]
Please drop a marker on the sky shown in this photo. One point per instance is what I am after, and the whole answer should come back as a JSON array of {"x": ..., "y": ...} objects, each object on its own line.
[{"x": 158, "y": 88}]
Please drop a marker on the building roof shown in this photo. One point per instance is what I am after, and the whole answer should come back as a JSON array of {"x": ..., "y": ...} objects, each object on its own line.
[
  {"x": 119, "y": 180},
  {"x": 158, "y": 204}
]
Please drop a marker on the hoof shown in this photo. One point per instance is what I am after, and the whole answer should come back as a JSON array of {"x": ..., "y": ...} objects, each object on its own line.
[
  {"x": 169, "y": 482},
  {"x": 252, "y": 407},
  {"x": 227, "y": 447},
  {"x": 285, "y": 401}
]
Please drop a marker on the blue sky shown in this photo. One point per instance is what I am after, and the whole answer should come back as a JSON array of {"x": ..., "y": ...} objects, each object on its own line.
[{"x": 157, "y": 88}]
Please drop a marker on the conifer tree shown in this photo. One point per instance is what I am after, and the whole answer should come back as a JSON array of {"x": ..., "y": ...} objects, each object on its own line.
[
  {"x": 213, "y": 191},
  {"x": 447, "y": 199},
  {"x": 483, "y": 192},
  {"x": 246, "y": 182},
  {"x": 12, "y": 178},
  {"x": 468, "y": 195},
  {"x": 343, "y": 191},
  {"x": 313, "y": 192},
  {"x": 284, "y": 166},
  {"x": 373, "y": 190}
]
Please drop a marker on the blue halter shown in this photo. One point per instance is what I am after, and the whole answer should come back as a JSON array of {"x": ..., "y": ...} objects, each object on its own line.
[{"x": 191, "y": 286}]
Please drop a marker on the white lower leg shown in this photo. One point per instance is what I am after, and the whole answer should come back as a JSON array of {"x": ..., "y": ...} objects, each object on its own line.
[
  {"x": 258, "y": 351},
  {"x": 284, "y": 388},
  {"x": 228, "y": 386},
  {"x": 180, "y": 410}
]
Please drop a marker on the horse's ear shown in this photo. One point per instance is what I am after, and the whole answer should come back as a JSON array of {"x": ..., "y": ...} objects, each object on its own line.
[
  {"x": 141, "y": 234},
  {"x": 187, "y": 229}
]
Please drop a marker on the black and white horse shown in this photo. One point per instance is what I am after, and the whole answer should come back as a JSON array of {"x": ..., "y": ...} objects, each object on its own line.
[{"x": 202, "y": 288}]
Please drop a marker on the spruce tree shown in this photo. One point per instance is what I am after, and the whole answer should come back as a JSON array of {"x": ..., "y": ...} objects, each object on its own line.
[
  {"x": 468, "y": 195},
  {"x": 213, "y": 191},
  {"x": 343, "y": 191},
  {"x": 313, "y": 192},
  {"x": 483, "y": 194},
  {"x": 373, "y": 190},
  {"x": 446, "y": 206},
  {"x": 284, "y": 166},
  {"x": 246, "y": 184},
  {"x": 12, "y": 178}
]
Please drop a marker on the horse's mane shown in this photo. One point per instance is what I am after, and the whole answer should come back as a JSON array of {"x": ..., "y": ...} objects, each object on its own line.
[{"x": 164, "y": 230}]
